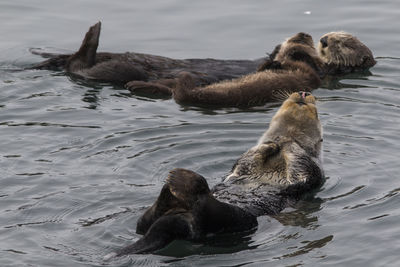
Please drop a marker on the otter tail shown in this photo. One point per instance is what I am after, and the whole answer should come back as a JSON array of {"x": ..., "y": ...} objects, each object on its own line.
[
  {"x": 86, "y": 55},
  {"x": 84, "y": 58}
]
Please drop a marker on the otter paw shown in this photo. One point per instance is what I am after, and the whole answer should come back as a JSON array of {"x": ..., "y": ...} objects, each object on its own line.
[{"x": 148, "y": 88}]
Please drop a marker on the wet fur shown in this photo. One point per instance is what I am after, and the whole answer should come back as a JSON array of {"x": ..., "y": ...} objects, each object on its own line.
[
  {"x": 295, "y": 66},
  {"x": 141, "y": 72},
  {"x": 159, "y": 76},
  {"x": 283, "y": 166},
  {"x": 343, "y": 53}
]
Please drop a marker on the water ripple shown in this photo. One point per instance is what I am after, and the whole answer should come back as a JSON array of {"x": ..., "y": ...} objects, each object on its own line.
[{"x": 82, "y": 160}]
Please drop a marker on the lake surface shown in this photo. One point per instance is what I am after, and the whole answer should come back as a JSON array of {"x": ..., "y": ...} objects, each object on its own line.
[{"x": 80, "y": 161}]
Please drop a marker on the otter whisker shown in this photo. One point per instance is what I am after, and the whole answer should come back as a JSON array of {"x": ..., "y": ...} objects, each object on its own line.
[{"x": 280, "y": 95}]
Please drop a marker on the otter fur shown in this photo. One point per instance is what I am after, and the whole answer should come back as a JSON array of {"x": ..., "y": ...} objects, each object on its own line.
[
  {"x": 295, "y": 67},
  {"x": 284, "y": 165},
  {"x": 343, "y": 53},
  {"x": 145, "y": 72}
]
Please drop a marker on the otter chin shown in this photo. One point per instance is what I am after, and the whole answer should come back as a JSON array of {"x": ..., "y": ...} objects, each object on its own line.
[
  {"x": 279, "y": 170},
  {"x": 342, "y": 53}
]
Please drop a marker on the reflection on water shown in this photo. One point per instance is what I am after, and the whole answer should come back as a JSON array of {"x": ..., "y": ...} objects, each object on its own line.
[
  {"x": 310, "y": 245},
  {"x": 80, "y": 161},
  {"x": 331, "y": 82},
  {"x": 303, "y": 215}
]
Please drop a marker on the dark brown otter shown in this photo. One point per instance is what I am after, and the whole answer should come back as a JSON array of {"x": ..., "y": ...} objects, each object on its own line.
[
  {"x": 295, "y": 66},
  {"x": 147, "y": 72},
  {"x": 279, "y": 170}
]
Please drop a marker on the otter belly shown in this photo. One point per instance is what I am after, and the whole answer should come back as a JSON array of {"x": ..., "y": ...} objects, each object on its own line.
[{"x": 258, "y": 200}]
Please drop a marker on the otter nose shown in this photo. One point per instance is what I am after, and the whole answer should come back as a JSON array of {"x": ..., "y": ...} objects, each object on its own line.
[
  {"x": 324, "y": 41},
  {"x": 303, "y": 94}
]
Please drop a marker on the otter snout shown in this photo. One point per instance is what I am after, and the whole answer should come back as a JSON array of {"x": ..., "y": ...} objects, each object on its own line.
[
  {"x": 303, "y": 94},
  {"x": 324, "y": 41}
]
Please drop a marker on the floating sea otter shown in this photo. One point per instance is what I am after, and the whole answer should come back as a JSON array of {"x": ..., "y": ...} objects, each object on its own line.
[
  {"x": 340, "y": 53},
  {"x": 294, "y": 66},
  {"x": 279, "y": 170},
  {"x": 295, "y": 61},
  {"x": 125, "y": 67}
]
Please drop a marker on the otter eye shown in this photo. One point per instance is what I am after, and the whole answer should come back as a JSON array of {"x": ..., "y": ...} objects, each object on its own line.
[{"x": 324, "y": 41}]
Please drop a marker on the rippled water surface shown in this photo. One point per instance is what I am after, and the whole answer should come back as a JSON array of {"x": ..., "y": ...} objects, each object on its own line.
[{"x": 80, "y": 160}]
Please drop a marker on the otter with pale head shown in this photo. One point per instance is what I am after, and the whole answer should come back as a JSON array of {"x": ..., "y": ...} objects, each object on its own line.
[
  {"x": 343, "y": 53},
  {"x": 282, "y": 167}
]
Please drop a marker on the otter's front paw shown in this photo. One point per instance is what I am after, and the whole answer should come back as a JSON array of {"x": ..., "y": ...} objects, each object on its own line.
[{"x": 148, "y": 88}]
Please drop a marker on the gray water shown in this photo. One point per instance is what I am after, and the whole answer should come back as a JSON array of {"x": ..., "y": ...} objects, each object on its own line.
[{"x": 80, "y": 161}]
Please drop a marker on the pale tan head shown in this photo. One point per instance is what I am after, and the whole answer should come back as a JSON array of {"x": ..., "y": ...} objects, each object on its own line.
[
  {"x": 297, "y": 120},
  {"x": 288, "y": 148},
  {"x": 343, "y": 49}
]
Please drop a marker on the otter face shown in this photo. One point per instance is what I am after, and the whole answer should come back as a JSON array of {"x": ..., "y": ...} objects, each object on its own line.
[
  {"x": 288, "y": 149},
  {"x": 297, "y": 120},
  {"x": 344, "y": 49},
  {"x": 299, "y": 108}
]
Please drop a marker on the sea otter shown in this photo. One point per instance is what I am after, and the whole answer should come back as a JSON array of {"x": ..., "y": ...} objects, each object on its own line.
[
  {"x": 343, "y": 53},
  {"x": 292, "y": 65},
  {"x": 340, "y": 53},
  {"x": 296, "y": 66},
  {"x": 152, "y": 71},
  {"x": 284, "y": 165}
]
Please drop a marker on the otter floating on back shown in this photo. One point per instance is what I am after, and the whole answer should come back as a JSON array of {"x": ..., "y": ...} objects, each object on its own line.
[
  {"x": 338, "y": 53},
  {"x": 283, "y": 166},
  {"x": 151, "y": 70},
  {"x": 296, "y": 66},
  {"x": 293, "y": 65}
]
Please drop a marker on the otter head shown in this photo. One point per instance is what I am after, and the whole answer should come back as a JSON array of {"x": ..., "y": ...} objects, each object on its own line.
[
  {"x": 343, "y": 52},
  {"x": 299, "y": 38},
  {"x": 289, "y": 152},
  {"x": 297, "y": 119},
  {"x": 299, "y": 47}
]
